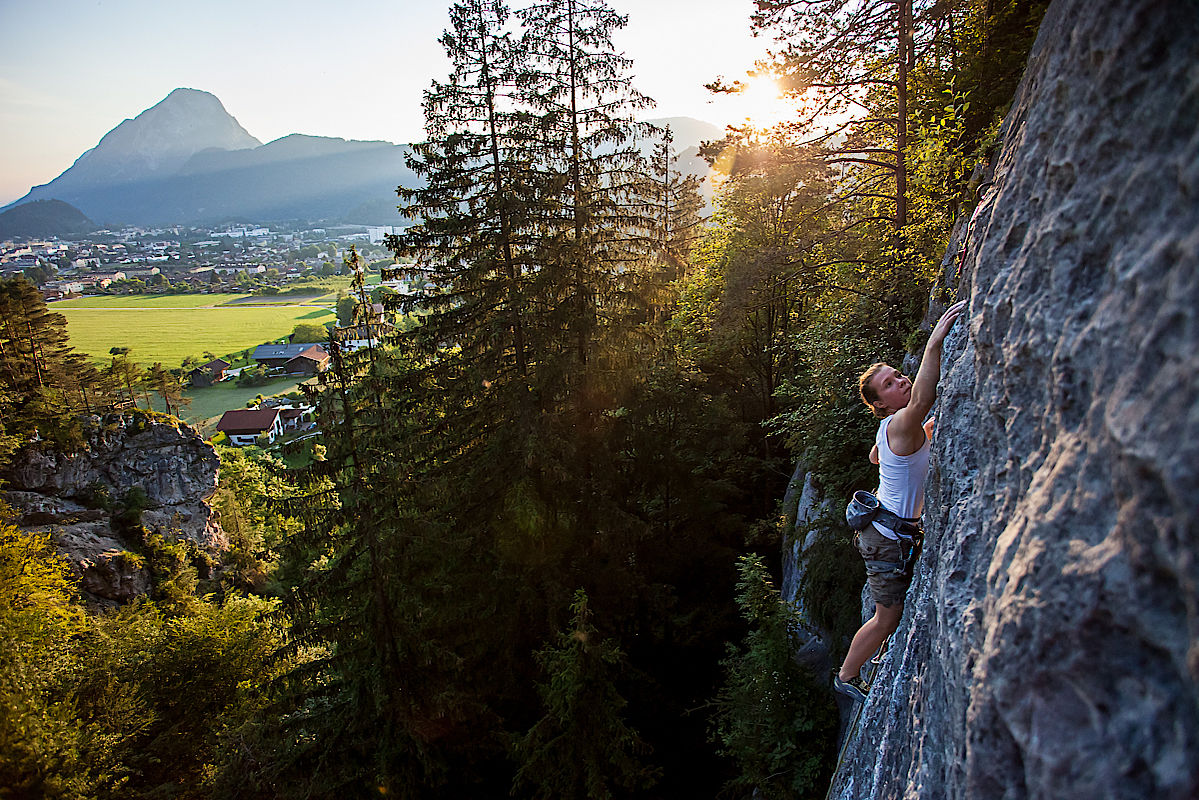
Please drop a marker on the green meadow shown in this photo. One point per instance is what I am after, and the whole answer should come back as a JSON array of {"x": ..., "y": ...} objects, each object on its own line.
[
  {"x": 169, "y": 328},
  {"x": 150, "y": 301}
]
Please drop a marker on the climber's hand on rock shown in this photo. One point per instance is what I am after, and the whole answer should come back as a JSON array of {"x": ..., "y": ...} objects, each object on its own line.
[{"x": 941, "y": 329}]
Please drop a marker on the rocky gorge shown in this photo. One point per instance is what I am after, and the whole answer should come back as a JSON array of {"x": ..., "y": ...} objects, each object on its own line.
[
  {"x": 77, "y": 495},
  {"x": 1049, "y": 644}
]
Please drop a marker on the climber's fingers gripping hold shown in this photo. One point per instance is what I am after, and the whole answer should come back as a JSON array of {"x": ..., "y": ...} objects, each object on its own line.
[{"x": 941, "y": 329}]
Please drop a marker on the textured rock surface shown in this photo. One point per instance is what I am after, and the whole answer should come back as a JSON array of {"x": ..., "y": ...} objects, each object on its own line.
[
  {"x": 1049, "y": 649},
  {"x": 803, "y": 504},
  {"x": 174, "y": 466}
]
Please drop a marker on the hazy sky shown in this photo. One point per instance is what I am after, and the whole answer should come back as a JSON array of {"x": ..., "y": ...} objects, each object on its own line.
[{"x": 71, "y": 70}]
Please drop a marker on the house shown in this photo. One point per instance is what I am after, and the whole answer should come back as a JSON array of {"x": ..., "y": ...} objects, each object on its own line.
[
  {"x": 103, "y": 279},
  {"x": 244, "y": 426},
  {"x": 142, "y": 273},
  {"x": 310, "y": 362},
  {"x": 210, "y": 373},
  {"x": 359, "y": 336},
  {"x": 66, "y": 287},
  {"x": 295, "y": 417},
  {"x": 295, "y": 359}
]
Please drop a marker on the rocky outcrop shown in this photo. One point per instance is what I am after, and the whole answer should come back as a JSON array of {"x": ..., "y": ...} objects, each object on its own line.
[
  {"x": 74, "y": 494},
  {"x": 803, "y": 505},
  {"x": 1050, "y": 648}
]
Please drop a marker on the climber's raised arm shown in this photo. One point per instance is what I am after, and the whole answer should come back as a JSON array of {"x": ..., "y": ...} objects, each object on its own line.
[{"x": 906, "y": 433}]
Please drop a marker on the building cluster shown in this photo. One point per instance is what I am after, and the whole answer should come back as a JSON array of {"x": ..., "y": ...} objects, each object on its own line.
[
  {"x": 249, "y": 426},
  {"x": 197, "y": 260},
  {"x": 185, "y": 259}
]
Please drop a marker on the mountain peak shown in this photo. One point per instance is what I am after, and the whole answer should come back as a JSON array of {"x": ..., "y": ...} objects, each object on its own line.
[{"x": 154, "y": 144}]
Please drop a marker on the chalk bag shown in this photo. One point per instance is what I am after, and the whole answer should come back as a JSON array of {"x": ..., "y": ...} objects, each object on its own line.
[{"x": 862, "y": 509}]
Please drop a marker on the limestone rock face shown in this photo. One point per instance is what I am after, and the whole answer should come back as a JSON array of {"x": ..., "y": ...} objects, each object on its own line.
[
  {"x": 803, "y": 504},
  {"x": 1050, "y": 647},
  {"x": 174, "y": 466}
]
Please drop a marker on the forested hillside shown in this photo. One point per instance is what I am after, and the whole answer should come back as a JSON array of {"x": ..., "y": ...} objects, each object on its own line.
[{"x": 537, "y": 554}]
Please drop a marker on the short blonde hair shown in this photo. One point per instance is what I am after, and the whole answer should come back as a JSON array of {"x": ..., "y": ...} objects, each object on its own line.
[{"x": 866, "y": 391}]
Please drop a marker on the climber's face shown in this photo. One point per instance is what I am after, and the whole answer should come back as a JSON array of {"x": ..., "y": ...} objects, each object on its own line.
[{"x": 893, "y": 390}]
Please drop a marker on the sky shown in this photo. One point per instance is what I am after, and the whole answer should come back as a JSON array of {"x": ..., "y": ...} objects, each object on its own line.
[{"x": 71, "y": 70}]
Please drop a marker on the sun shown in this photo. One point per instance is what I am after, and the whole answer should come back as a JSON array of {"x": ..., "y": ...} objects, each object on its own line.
[{"x": 761, "y": 102}]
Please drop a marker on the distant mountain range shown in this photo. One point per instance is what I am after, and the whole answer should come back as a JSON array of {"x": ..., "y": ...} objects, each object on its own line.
[{"x": 186, "y": 160}]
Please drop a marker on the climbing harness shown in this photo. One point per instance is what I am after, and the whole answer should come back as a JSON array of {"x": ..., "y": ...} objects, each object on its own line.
[{"x": 864, "y": 508}]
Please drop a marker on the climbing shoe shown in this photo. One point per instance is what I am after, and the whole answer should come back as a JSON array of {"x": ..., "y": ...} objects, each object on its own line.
[{"x": 854, "y": 688}]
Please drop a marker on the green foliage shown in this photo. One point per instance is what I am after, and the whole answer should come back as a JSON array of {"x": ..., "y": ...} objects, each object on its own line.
[
  {"x": 499, "y": 456},
  {"x": 309, "y": 332},
  {"x": 156, "y": 690},
  {"x": 251, "y": 483},
  {"x": 128, "y": 704},
  {"x": 581, "y": 747},
  {"x": 43, "y": 383},
  {"x": 254, "y": 375},
  {"x": 345, "y": 310},
  {"x": 833, "y": 575},
  {"x": 773, "y": 718},
  {"x": 168, "y": 387},
  {"x": 39, "y": 743}
]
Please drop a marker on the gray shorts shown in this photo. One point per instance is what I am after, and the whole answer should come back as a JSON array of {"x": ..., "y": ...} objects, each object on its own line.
[{"x": 888, "y": 585}]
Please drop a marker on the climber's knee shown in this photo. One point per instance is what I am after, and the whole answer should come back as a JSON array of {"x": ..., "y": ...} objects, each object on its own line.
[{"x": 887, "y": 617}]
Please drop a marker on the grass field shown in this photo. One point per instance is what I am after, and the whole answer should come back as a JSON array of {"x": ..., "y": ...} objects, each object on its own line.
[
  {"x": 190, "y": 300},
  {"x": 168, "y": 329},
  {"x": 147, "y": 301}
]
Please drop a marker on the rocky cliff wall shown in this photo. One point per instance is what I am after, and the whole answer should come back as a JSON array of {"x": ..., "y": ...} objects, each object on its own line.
[
  {"x": 1050, "y": 648},
  {"x": 171, "y": 463}
]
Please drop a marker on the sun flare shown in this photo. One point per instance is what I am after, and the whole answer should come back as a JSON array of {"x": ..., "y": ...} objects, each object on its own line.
[{"x": 762, "y": 103}]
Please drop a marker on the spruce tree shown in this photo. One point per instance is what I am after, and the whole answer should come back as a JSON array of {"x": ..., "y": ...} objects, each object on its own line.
[
  {"x": 581, "y": 748},
  {"x": 592, "y": 170},
  {"x": 773, "y": 718}
]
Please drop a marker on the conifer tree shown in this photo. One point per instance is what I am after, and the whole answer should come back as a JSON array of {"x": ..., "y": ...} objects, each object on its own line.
[
  {"x": 33, "y": 340},
  {"x": 581, "y": 748},
  {"x": 471, "y": 238},
  {"x": 125, "y": 372},
  {"x": 593, "y": 220},
  {"x": 672, "y": 203},
  {"x": 772, "y": 718},
  {"x": 471, "y": 479},
  {"x": 159, "y": 379},
  {"x": 589, "y": 155},
  {"x": 42, "y": 381}
]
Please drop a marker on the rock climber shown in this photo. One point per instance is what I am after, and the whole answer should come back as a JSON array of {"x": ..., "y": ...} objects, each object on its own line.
[{"x": 901, "y": 450}]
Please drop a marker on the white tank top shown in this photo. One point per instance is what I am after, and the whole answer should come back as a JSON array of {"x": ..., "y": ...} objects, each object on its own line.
[{"x": 900, "y": 478}]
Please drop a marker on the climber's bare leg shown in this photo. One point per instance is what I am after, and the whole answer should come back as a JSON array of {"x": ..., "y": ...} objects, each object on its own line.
[{"x": 870, "y": 637}]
